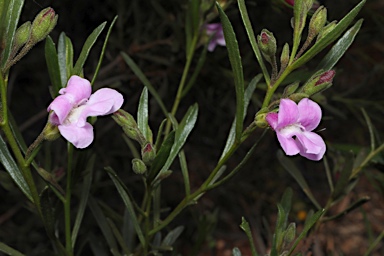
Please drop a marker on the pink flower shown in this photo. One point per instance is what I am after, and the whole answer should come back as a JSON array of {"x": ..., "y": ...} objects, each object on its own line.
[
  {"x": 294, "y": 125},
  {"x": 216, "y": 31},
  {"x": 75, "y": 104}
]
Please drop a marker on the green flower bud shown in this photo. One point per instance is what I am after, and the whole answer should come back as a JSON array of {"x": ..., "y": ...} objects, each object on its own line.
[
  {"x": 284, "y": 59},
  {"x": 129, "y": 125},
  {"x": 267, "y": 44},
  {"x": 290, "y": 233},
  {"x": 148, "y": 153},
  {"x": 317, "y": 22},
  {"x": 260, "y": 120},
  {"x": 290, "y": 89},
  {"x": 318, "y": 83},
  {"x": 296, "y": 97},
  {"x": 328, "y": 28},
  {"x": 43, "y": 24},
  {"x": 22, "y": 36},
  {"x": 138, "y": 166},
  {"x": 50, "y": 132}
]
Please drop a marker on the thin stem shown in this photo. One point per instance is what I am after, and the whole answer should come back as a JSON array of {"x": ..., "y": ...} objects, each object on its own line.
[
  {"x": 67, "y": 203},
  {"x": 366, "y": 161},
  {"x": 179, "y": 94},
  {"x": 203, "y": 188}
]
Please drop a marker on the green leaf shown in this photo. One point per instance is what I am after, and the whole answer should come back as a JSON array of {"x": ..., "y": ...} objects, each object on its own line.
[
  {"x": 172, "y": 236},
  {"x": 309, "y": 222},
  {"x": 185, "y": 172},
  {"x": 47, "y": 210},
  {"x": 192, "y": 22},
  {"x": 252, "y": 39},
  {"x": 77, "y": 70},
  {"x": 103, "y": 50},
  {"x": 247, "y": 98},
  {"x": 339, "y": 49},
  {"x": 127, "y": 202},
  {"x": 286, "y": 200},
  {"x": 62, "y": 59},
  {"x": 181, "y": 134},
  {"x": 236, "y": 252},
  {"x": 245, "y": 226},
  {"x": 103, "y": 224},
  {"x": 296, "y": 174},
  {"x": 142, "y": 115},
  {"x": 69, "y": 56},
  {"x": 53, "y": 65},
  {"x": 161, "y": 156},
  {"x": 328, "y": 38},
  {"x": 10, "y": 20},
  {"x": 237, "y": 68},
  {"x": 343, "y": 180},
  {"x": 145, "y": 81},
  {"x": 83, "y": 199},
  {"x": 11, "y": 167},
  {"x": 9, "y": 251}
]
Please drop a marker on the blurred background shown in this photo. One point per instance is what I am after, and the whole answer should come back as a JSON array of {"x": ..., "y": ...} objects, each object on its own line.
[{"x": 152, "y": 32}]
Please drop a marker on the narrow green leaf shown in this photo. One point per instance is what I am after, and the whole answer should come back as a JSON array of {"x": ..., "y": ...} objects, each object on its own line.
[
  {"x": 62, "y": 59},
  {"x": 103, "y": 224},
  {"x": 343, "y": 180},
  {"x": 308, "y": 225},
  {"x": 69, "y": 56},
  {"x": 47, "y": 210},
  {"x": 370, "y": 128},
  {"x": 236, "y": 252},
  {"x": 83, "y": 199},
  {"x": 183, "y": 130},
  {"x": 237, "y": 68},
  {"x": 77, "y": 70},
  {"x": 329, "y": 38},
  {"x": 185, "y": 172},
  {"x": 161, "y": 156},
  {"x": 245, "y": 226},
  {"x": 286, "y": 202},
  {"x": 339, "y": 49},
  {"x": 11, "y": 167},
  {"x": 172, "y": 236},
  {"x": 142, "y": 115},
  {"x": 11, "y": 20},
  {"x": 53, "y": 65},
  {"x": 252, "y": 38},
  {"x": 128, "y": 204},
  {"x": 296, "y": 174},
  {"x": 119, "y": 237},
  {"x": 9, "y": 251},
  {"x": 247, "y": 98},
  {"x": 145, "y": 81},
  {"x": 103, "y": 50}
]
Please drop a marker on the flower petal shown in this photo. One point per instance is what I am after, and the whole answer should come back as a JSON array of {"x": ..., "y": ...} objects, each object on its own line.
[
  {"x": 288, "y": 144},
  {"x": 78, "y": 89},
  {"x": 272, "y": 119},
  {"x": 61, "y": 106},
  {"x": 80, "y": 137},
  {"x": 309, "y": 114},
  {"x": 311, "y": 145},
  {"x": 288, "y": 113}
]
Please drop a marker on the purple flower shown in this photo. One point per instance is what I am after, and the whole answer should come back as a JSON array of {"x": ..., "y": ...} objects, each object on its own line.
[
  {"x": 294, "y": 125},
  {"x": 75, "y": 104},
  {"x": 216, "y": 31}
]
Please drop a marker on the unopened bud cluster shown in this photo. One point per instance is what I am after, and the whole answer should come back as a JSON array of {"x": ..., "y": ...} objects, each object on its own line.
[
  {"x": 131, "y": 129},
  {"x": 29, "y": 34}
]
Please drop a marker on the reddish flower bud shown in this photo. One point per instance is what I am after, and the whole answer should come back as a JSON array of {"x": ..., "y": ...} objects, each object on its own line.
[{"x": 326, "y": 77}]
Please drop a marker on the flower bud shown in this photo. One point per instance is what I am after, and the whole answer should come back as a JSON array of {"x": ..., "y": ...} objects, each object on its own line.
[
  {"x": 129, "y": 125},
  {"x": 318, "y": 83},
  {"x": 290, "y": 89},
  {"x": 328, "y": 28},
  {"x": 296, "y": 97},
  {"x": 148, "y": 154},
  {"x": 290, "y": 233},
  {"x": 267, "y": 44},
  {"x": 43, "y": 24},
  {"x": 284, "y": 59},
  {"x": 50, "y": 132},
  {"x": 138, "y": 166},
  {"x": 22, "y": 36},
  {"x": 317, "y": 22},
  {"x": 260, "y": 120}
]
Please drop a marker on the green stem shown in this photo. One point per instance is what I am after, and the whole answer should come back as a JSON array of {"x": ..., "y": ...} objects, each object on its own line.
[
  {"x": 179, "y": 94},
  {"x": 67, "y": 203},
  {"x": 203, "y": 188},
  {"x": 356, "y": 171}
]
